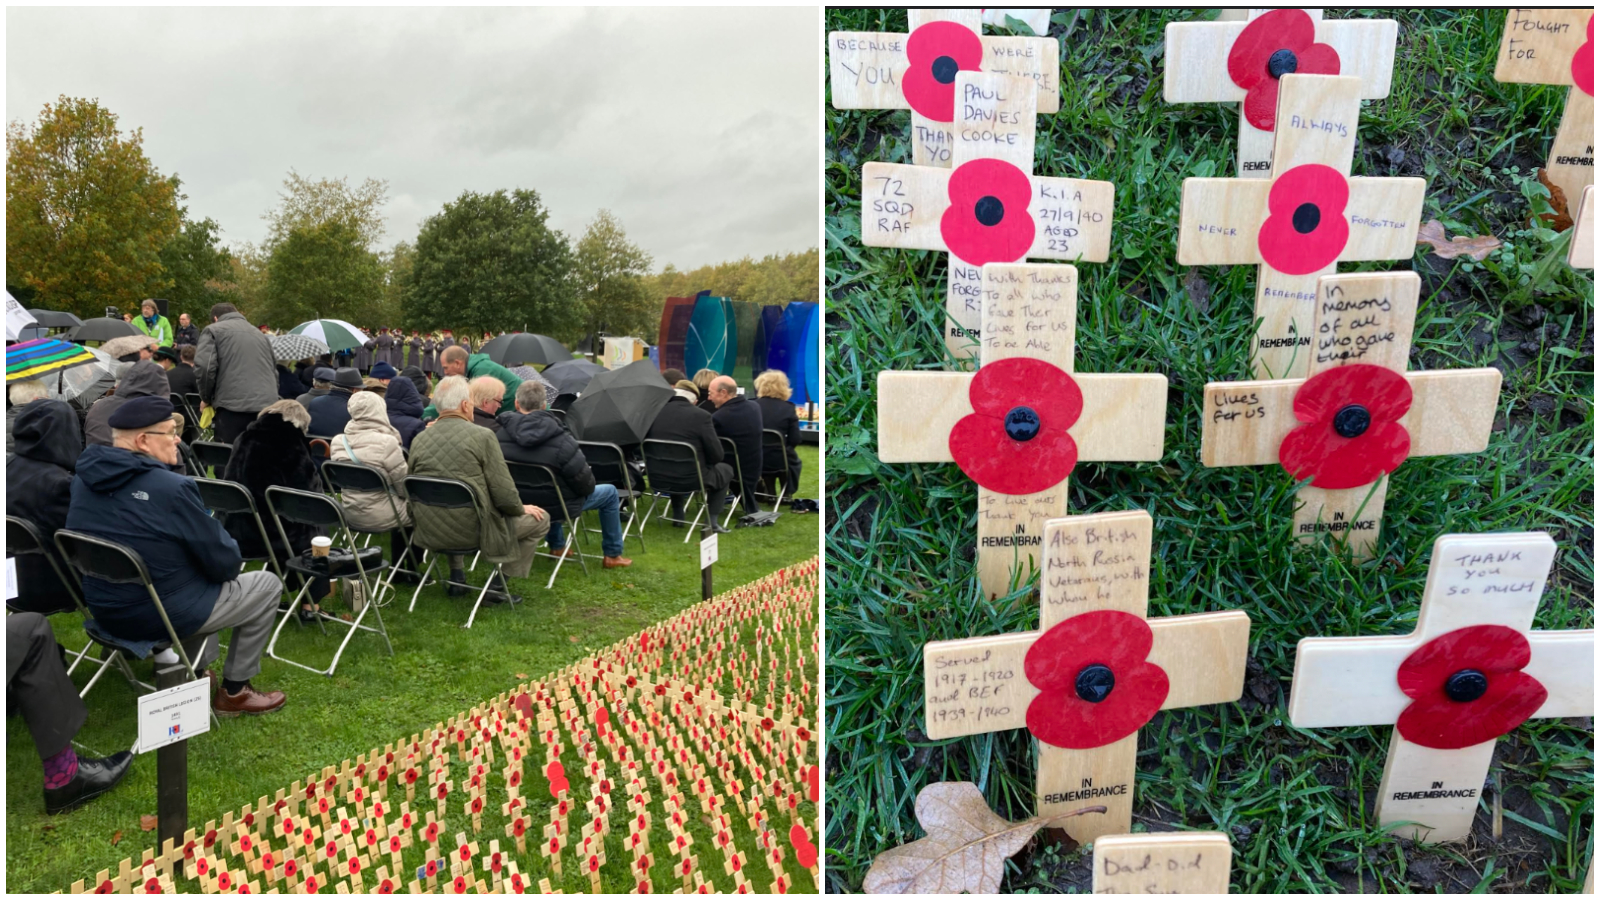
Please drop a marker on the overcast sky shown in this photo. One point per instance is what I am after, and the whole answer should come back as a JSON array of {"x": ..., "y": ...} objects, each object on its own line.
[{"x": 698, "y": 128}]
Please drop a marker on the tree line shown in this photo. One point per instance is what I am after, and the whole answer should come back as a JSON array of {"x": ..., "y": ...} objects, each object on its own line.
[{"x": 91, "y": 223}]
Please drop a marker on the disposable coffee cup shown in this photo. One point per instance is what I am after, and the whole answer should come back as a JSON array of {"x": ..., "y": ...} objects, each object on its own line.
[{"x": 320, "y": 546}]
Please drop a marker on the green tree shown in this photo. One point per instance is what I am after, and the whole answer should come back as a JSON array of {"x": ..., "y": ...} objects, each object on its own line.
[
  {"x": 609, "y": 271},
  {"x": 87, "y": 213},
  {"x": 305, "y": 204},
  {"x": 398, "y": 264},
  {"x": 322, "y": 271},
  {"x": 198, "y": 266},
  {"x": 492, "y": 262}
]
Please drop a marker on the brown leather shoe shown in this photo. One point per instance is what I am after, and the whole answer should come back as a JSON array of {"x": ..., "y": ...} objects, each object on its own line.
[
  {"x": 566, "y": 552},
  {"x": 249, "y": 701},
  {"x": 616, "y": 562}
]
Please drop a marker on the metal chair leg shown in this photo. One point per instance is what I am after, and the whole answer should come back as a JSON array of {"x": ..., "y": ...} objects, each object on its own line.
[
  {"x": 425, "y": 573},
  {"x": 484, "y": 592}
]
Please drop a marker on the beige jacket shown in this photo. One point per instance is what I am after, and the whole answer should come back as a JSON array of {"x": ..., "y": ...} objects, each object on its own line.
[{"x": 370, "y": 439}]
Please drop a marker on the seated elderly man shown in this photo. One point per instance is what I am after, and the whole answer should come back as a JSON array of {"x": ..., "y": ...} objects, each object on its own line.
[
  {"x": 739, "y": 420},
  {"x": 534, "y": 435},
  {"x": 508, "y": 530},
  {"x": 321, "y": 385},
  {"x": 126, "y": 493}
]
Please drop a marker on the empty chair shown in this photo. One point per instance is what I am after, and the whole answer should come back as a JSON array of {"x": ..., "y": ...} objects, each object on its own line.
[{"x": 539, "y": 486}]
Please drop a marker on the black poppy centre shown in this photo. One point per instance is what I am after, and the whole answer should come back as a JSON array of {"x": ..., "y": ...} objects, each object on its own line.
[
  {"x": 1352, "y": 421},
  {"x": 1306, "y": 218},
  {"x": 989, "y": 211},
  {"x": 1022, "y": 424},
  {"x": 1282, "y": 63},
  {"x": 1094, "y": 683},
  {"x": 1466, "y": 686},
  {"x": 945, "y": 69}
]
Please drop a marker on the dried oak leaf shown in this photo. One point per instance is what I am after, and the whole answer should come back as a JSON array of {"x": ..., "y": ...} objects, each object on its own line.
[
  {"x": 148, "y": 822},
  {"x": 1475, "y": 248},
  {"x": 116, "y": 838},
  {"x": 966, "y": 848}
]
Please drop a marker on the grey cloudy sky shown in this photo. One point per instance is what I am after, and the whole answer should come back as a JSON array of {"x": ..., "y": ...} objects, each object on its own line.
[{"x": 699, "y": 128}]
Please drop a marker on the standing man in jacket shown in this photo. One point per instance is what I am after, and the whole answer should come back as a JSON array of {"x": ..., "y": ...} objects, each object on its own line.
[
  {"x": 152, "y": 323},
  {"x": 457, "y": 361},
  {"x": 186, "y": 333},
  {"x": 235, "y": 371},
  {"x": 739, "y": 420},
  {"x": 127, "y": 493}
]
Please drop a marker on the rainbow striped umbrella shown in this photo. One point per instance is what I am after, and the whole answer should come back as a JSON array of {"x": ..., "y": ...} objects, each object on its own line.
[{"x": 44, "y": 355}]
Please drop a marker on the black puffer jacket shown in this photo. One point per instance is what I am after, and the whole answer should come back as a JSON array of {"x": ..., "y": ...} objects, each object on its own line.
[
  {"x": 271, "y": 451},
  {"x": 39, "y": 489},
  {"x": 404, "y": 406},
  {"x": 539, "y": 438},
  {"x": 142, "y": 379}
]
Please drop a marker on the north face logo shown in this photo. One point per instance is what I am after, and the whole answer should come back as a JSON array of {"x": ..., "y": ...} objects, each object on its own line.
[{"x": 140, "y": 495}]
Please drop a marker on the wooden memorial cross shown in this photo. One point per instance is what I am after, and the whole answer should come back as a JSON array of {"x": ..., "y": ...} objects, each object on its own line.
[
  {"x": 916, "y": 71},
  {"x": 1301, "y": 222},
  {"x": 1357, "y": 416},
  {"x": 1093, "y": 674},
  {"x": 988, "y": 208},
  {"x": 1239, "y": 60},
  {"x": 1470, "y": 672},
  {"x": 1556, "y": 46},
  {"x": 1061, "y": 418},
  {"x": 1172, "y": 862},
  {"x": 1580, "y": 253}
]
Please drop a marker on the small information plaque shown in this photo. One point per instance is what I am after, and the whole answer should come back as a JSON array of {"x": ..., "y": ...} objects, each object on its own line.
[{"x": 175, "y": 714}]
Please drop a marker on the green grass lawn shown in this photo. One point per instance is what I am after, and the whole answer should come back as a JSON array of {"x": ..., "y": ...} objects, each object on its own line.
[
  {"x": 899, "y": 543},
  {"x": 438, "y": 671}
]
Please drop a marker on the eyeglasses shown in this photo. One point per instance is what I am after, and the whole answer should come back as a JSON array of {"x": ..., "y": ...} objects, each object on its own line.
[{"x": 173, "y": 433}]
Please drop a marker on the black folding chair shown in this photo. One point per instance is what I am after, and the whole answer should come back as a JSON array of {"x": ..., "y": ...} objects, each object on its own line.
[
  {"x": 343, "y": 475},
  {"x": 24, "y": 539},
  {"x": 448, "y": 493},
  {"x": 213, "y": 455},
  {"x": 610, "y": 466},
  {"x": 321, "y": 511},
  {"x": 673, "y": 467},
  {"x": 191, "y": 418},
  {"x": 230, "y": 498},
  {"x": 109, "y": 561},
  {"x": 730, "y": 451},
  {"x": 192, "y": 401},
  {"x": 774, "y": 447},
  {"x": 538, "y": 485}
]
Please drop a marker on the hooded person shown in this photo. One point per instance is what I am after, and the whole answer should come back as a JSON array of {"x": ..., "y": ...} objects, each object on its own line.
[
  {"x": 289, "y": 386},
  {"x": 418, "y": 378},
  {"x": 142, "y": 379},
  {"x": 39, "y": 489},
  {"x": 403, "y": 404},
  {"x": 371, "y": 440}
]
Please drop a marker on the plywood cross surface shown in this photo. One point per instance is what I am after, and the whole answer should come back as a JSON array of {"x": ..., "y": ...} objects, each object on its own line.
[
  {"x": 1177, "y": 862},
  {"x": 1239, "y": 60},
  {"x": 1021, "y": 467},
  {"x": 1094, "y": 673},
  {"x": 1556, "y": 46},
  {"x": 1299, "y": 224},
  {"x": 1357, "y": 415},
  {"x": 1473, "y": 670},
  {"x": 916, "y": 71}
]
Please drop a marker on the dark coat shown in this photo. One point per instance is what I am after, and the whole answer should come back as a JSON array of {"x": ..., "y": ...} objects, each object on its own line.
[
  {"x": 39, "y": 489},
  {"x": 181, "y": 381},
  {"x": 136, "y": 501},
  {"x": 303, "y": 371},
  {"x": 539, "y": 438},
  {"x": 479, "y": 417},
  {"x": 142, "y": 379},
  {"x": 404, "y": 406},
  {"x": 739, "y": 420},
  {"x": 418, "y": 379},
  {"x": 271, "y": 452},
  {"x": 185, "y": 334},
  {"x": 679, "y": 420},
  {"x": 330, "y": 413},
  {"x": 289, "y": 386},
  {"x": 306, "y": 398},
  {"x": 780, "y": 416}
]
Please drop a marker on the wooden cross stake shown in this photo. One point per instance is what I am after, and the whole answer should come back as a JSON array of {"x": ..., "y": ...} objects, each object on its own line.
[
  {"x": 1173, "y": 862},
  {"x": 1093, "y": 674},
  {"x": 989, "y": 208},
  {"x": 1470, "y": 672},
  {"x": 1030, "y": 313},
  {"x": 1347, "y": 431},
  {"x": 1301, "y": 222},
  {"x": 876, "y": 70},
  {"x": 1230, "y": 61},
  {"x": 1556, "y": 46},
  {"x": 1580, "y": 254}
]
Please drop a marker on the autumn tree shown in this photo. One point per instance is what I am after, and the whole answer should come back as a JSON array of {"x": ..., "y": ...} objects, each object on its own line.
[
  {"x": 492, "y": 262},
  {"x": 609, "y": 272},
  {"x": 306, "y": 204},
  {"x": 87, "y": 213}
]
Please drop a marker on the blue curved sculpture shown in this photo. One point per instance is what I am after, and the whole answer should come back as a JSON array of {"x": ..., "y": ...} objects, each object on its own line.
[
  {"x": 766, "y": 326},
  {"x": 706, "y": 344},
  {"x": 799, "y": 357}
]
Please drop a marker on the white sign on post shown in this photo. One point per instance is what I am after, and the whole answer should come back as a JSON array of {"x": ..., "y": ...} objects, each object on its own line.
[
  {"x": 175, "y": 714},
  {"x": 708, "y": 550},
  {"x": 11, "y": 578}
]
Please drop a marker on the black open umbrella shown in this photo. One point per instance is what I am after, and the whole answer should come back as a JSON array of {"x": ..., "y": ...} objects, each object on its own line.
[
  {"x": 520, "y": 348},
  {"x": 573, "y": 375},
  {"x": 619, "y": 405},
  {"x": 101, "y": 330},
  {"x": 50, "y": 318}
]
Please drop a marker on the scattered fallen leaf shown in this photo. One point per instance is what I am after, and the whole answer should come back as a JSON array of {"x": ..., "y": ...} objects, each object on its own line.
[
  {"x": 346, "y": 617},
  {"x": 522, "y": 676},
  {"x": 147, "y": 823},
  {"x": 1475, "y": 248},
  {"x": 47, "y": 828},
  {"x": 573, "y": 639},
  {"x": 1560, "y": 218},
  {"x": 966, "y": 848},
  {"x": 116, "y": 838}
]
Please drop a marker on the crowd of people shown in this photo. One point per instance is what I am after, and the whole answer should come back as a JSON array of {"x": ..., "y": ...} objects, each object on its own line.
[{"x": 120, "y": 471}]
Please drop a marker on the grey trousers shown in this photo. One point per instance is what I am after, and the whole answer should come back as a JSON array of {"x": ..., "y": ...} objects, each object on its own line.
[
  {"x": 249, "y": 605},
  {"x": 529, "y": 533}
]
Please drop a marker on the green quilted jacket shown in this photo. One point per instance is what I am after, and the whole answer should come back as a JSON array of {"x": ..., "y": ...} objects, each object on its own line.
[{"x": 456, "y": 448}]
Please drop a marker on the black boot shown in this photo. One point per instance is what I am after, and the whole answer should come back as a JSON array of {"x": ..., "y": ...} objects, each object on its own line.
[
  {"x": 95, "y": 777},
  {"x": 499, "y": 593},
  {"x": 458, "y": 586}
]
